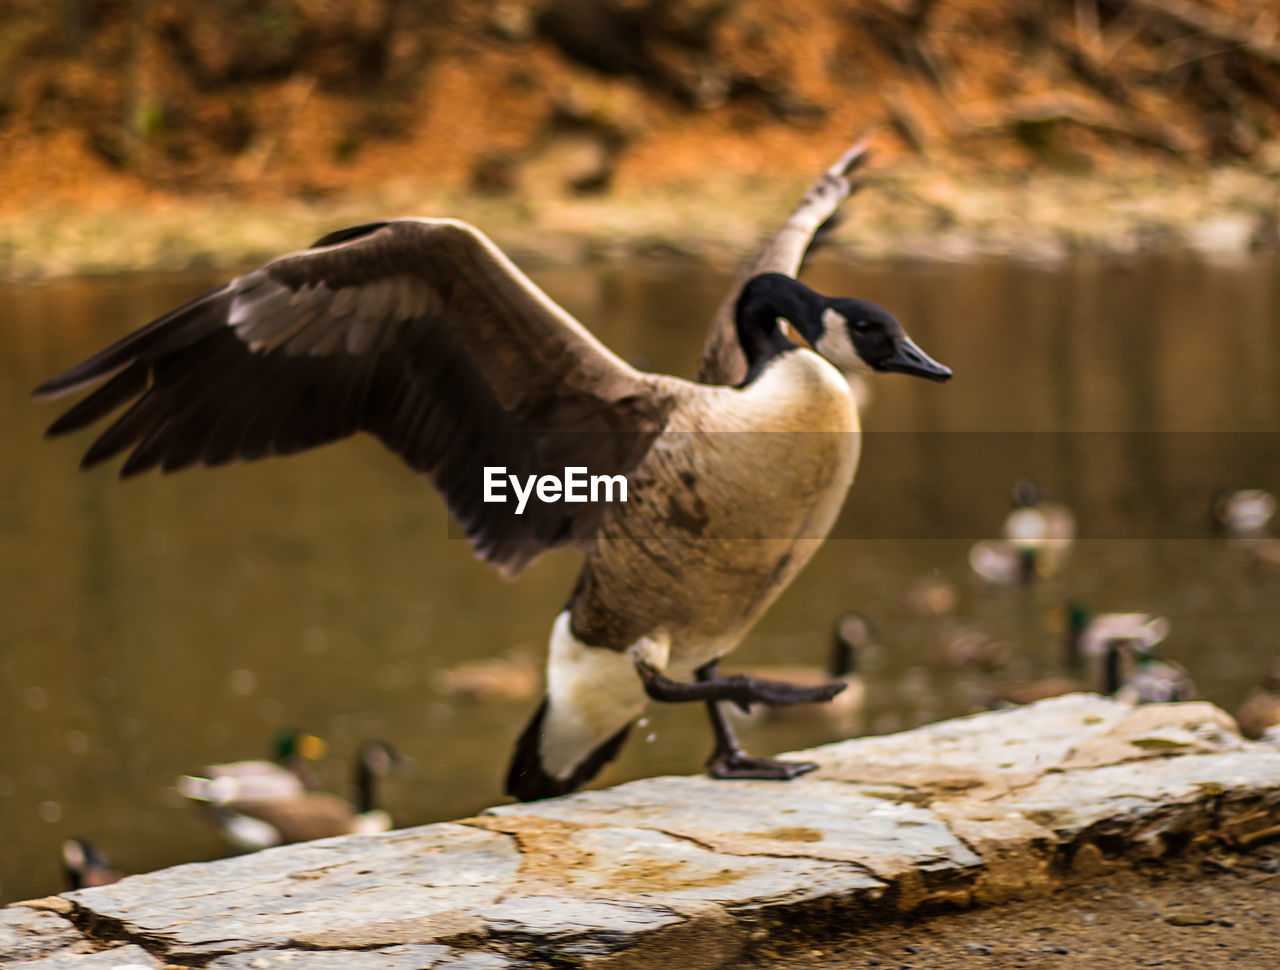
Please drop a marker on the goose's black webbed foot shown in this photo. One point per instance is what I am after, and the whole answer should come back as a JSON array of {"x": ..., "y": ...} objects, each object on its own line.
[
  {"x": 738, "y": 764},
  {"x": 778, "y": 693},
  {"x": 739, "y": 689},
  {"x": 728, "y": 760}
]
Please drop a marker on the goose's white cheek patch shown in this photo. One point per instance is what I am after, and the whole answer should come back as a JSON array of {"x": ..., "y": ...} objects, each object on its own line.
[{"x": 835, "y": 344}]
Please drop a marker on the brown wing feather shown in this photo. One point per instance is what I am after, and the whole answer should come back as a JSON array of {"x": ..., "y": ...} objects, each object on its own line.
[
  {"x": 417, "y": 331},
  {"x": 722, "y": 358}
]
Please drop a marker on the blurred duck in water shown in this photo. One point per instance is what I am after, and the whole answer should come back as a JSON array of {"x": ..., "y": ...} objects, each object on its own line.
[
  {"x": 930, "y": 595},
  {"x": 285, "y": 776},
  {"x": 853, "y": 636},
  {"x": 84, "y": 866},
  {"x": 1086, "y": 634},
  {"x": 1264, "y": 553},
  {"x": 1242, "y": 514},
  {"x": 1037, "y": 536},
  {"x": 1153, "y": 680},
  {"x": 1259, "y": 715},
  {"x": 1131, "y": 672},
  {"x": 252, "y": 823},
  {"x": 1108, "y": 683},
  {"x": 511, "y": 677},
  {"x": 962, "y": 646}
]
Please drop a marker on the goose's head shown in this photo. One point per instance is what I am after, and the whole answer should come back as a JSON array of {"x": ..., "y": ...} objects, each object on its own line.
[
  {"x": 860, "y": 337},
  {"x": 856, "y": 336},
  {"x": 380, "y": 757}
]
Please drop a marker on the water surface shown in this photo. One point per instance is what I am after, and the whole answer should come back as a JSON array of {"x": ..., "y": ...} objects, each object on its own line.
[{"x": 153, "y": 626}]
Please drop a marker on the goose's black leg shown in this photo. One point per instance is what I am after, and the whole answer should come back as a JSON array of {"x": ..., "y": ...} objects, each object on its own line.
[
  {"x": 738, "y": 689},
  {"x": 728, "y": 760}
]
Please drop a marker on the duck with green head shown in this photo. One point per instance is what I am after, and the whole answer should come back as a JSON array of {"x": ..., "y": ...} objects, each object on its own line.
[
  {"x": 254, "y": 821},
  {"x": 287, "y": 774}
]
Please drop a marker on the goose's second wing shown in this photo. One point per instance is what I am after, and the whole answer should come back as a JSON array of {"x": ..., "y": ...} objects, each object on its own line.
[
  {"x": 723, "y": 361},
  {"x": 418, "y": 331}
]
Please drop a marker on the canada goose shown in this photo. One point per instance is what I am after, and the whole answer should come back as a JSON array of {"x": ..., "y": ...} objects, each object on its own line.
[
  {"x": 84, "y": 866},
  {"x": 1110, "y": 681},
  {"x": 284, "y": 777},
  {"x": 851, "y": 637},
  {"x": 422, "y": 333},
  {"x": 1037, "y": 535},
  {"x": 511, "y": 677},
  {"x": 1242, "y": 514},
  {"x": 256, "y": 822}
]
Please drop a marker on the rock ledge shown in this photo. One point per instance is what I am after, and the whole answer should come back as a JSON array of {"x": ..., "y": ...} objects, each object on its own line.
[{"x": 693, "y": 872}]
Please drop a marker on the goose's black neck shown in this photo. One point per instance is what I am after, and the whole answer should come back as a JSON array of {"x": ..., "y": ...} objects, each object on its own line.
[
  {"x": 365, "y": 780},
  {"x": 844, "y": 658},
  {"x": 1111, "y": 676},
  {"x": 763, "y": 300}
]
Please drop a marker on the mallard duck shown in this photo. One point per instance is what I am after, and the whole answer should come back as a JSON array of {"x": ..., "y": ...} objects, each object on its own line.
[
  {"x": 252, "y": 823},
  {"x": 1242, "y": 514},
  {"x": 286, "y": 776},
  {"x": 512, "y": 677},
  {"x": 421, "y": 332},
  {"x": 84, "y": 866},
  {"x": 1153, "y": 680},
  {"x": 1037, "y": 536},
  {"x": 1086, "y": 634}
]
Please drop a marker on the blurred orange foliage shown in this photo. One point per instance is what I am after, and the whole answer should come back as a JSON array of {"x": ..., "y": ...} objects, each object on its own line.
[{"x": 129, "y": 101}]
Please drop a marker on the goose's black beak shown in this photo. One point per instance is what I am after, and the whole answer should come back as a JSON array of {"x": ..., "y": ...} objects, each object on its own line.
[{"x": 907, "y": 358}]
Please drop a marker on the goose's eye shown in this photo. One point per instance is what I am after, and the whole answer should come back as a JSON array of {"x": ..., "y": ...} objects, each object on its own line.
[{"x": 861, "y": 326}]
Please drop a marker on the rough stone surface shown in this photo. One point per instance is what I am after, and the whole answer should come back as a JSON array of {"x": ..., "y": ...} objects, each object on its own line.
[
  {"x": 115, "y": 958},
  {"x": 26, "y": 934},
  {"x": 413, "y": 957},
  {"x": 411, "y": 886},
  {"x": 690, "y": 871},
  {"x": 643, "y": 862},
  {"x": 805, "y": 819}
]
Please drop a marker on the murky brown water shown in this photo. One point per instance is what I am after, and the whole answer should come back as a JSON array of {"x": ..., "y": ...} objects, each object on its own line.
[{"x": 151, "y": 627}]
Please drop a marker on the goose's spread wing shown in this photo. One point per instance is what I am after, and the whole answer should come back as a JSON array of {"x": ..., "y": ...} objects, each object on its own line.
[
  {"x": 418, "y": 331},
  {"x": 722, "y": 359}
]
